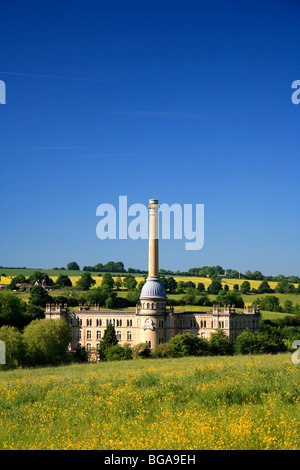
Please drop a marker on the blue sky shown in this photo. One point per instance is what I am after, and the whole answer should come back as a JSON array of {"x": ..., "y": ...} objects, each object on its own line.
[{"x": 185, "y": 101}]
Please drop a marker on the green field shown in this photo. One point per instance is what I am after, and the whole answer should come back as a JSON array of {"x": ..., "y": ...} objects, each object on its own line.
[{"x": 239, "y": 402}]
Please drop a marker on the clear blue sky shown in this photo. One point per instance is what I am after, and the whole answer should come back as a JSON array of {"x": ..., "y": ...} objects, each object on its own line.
[{"x": 184, "y": 101}]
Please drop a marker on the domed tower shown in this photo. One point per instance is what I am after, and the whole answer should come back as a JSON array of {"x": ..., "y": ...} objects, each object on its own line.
[{"x": 153, "y": 295}]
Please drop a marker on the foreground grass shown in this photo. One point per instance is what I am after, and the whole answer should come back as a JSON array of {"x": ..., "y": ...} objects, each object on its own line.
[{"x": 189, "y": 403}]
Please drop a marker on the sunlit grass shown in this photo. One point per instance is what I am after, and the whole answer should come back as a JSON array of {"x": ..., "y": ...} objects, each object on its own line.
[{"x": 189, "y": 403}]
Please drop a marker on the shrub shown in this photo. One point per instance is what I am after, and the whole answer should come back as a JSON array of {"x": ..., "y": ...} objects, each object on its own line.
[
  {"x": 119, "y": 353},
  {"x": 162, "y": 350},
  {"x": 13, "y": 346},
  {"x": 259, "y": 343},
  {"x": 141, "y": 350},
  {"x": 220, "y": 344},
  {"x": 187, "y": 344}
]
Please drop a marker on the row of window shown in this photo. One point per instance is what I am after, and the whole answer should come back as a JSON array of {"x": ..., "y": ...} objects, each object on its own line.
[
  {"x": 192, "y": 324},
  {"x": 99, "y": 335},
  {"x": 153, "y": 306},
  {"x": 100, "y": 322}
]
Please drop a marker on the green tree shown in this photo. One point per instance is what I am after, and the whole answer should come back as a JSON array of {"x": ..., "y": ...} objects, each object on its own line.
[
  {"x": 118, "y": 283},
  {"x": 141, "y": 351},
  {"x": 16, "y": 280},
  {"x": 264, "y": 287},
  {"x": 129, "y": 282},
  {"x": 12, "y": 310},
  {"x": 268, "y": 303},
  {"x": 281, "y": 287},
  {"x": 119, "y": 353},
  {"x": 40, "y": 276},
  {"x": 231, "y": 297},
  {"x": 39, "y": 296},
  {"x": 215, "y": 287},
  {"x": 200, "y": 287},
  {"x": 236, "y": 287},
  {"x": 73, "y": 266},
  {"x": 245, "y": 287},
  {"x": 108, "y": 281},
  {"x": 187, "y": 344},
  {"x": 220, "y": 344},
  {"x": 85, "y": 282},
  {"x": 258, "y": 343},
  {"x": 63, "y": 281},
  {"x": 13, "y": 346},
  {"x": 46, "y": 341},
  {"x": 189, "y": 297},
  {"x": 288, "y": 306},
  {"x": 109, "y": 339}
]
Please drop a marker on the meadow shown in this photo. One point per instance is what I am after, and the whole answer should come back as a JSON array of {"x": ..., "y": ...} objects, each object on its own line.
[{"x": 238, "y": 402}]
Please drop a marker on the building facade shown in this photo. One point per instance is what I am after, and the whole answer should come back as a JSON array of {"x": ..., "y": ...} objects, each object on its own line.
[{"x": 152, "y": 322}]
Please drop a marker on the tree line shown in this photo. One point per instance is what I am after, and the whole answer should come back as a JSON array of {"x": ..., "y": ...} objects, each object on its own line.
[{"x": 204, "y": 271}]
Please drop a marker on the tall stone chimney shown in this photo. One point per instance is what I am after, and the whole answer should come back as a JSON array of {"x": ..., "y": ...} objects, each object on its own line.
[
  {"x": 153, "y": 270},
  {"x": 153, "y": 290}
]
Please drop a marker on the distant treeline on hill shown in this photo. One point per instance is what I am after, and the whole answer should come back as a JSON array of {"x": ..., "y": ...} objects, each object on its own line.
[{"x": 204, "y": 271}]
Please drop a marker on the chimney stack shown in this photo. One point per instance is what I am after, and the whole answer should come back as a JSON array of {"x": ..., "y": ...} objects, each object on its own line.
[{"x": 153, "y": 270}]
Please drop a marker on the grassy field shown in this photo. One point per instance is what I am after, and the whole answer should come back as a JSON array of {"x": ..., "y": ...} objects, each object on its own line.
[{"x": 239, "y": 402}]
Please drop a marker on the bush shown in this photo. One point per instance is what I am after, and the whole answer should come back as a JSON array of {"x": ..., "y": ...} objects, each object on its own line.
[
  {"x": 141, "y": 350},
  {"x": 162, "y": 350},
  {"x": 259, "y": 343},
  {"x": 13, "y": 346},
  {"x": 220, "y": 344},
  {"x": 119, "y": 353},
  {"x": 46, "y": 341},
  {"x": 230, "y": 298},
  {"x": 187, "y": 344}
]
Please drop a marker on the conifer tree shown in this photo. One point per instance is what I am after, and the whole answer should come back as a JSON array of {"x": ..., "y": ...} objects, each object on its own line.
[{"x": 109, "y": 339}]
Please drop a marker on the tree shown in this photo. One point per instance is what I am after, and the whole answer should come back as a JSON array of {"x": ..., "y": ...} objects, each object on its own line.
[
  {"x": 269, "y": 303},
  {"x": 62, "y": 281},
  {"x": 215, "y": 287},
  {"x": 230, "y": 298},
  {"x": 12, "y": 310},
  {"x": 40, "y": 276},
  {"x": 85, "y": 281},
  {"x": 220, "y": 344},
  {"x": 171, "y": 284},
  {"x": 264, "y": 287},
  {"x": 39, "y": 296},
  {"x": 236, "y": 287},
  {"x": 245, "y": 287},
  {"x": 200, "y": 287},
  {"x": 118, "y": 283},
  {"x": 281, "y": 287},
  {"x": 189, "y": 297},
  {"x": 73, "y": 266},
  {"x": 108, "y": 281},
  {"x": 33, "y": 312},
  {"x": 109, "y": 339},
  {"x": 119, "y": 353},
  {"x": 129, "y": 282},
  {"x": 46, "y": 341},
  {"x": 13, "y": 346},
  {"x": 288, "y": 306},
  {"x": 259, "y": 343},
  {"x": 16, "y": 280},
  {"x": 187, "y": 344}
]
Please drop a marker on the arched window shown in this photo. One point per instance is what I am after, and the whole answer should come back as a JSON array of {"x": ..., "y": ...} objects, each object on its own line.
[{"x": 148, "y": 306}]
